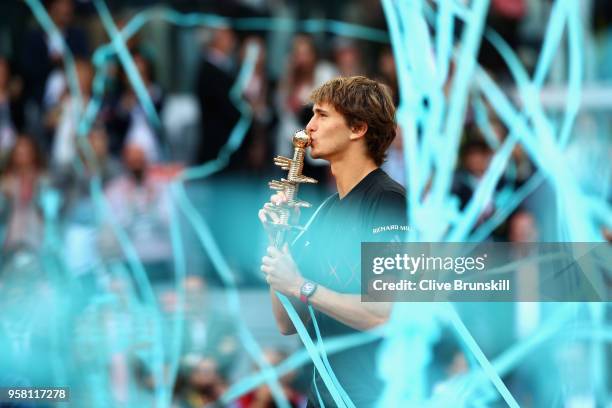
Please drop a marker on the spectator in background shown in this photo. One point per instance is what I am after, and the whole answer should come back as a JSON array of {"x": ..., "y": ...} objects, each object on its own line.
[
  {"x": 43, "y": 55},
  {"x": 448, "y": 362},
  {"x": 347, "y": 58},
  {"x": 63, "y": 119},
  {"x": 529, "y": 280},
  {"x": 607, "y": 233},
  {"x": 262, "y": 397},
  {"x": 209, "y": 331},
  {"x": 387, "y": 74},
  {"x": 19, "y": 189},
  {"x": 140, "y": 203},
  {"x": 215, "y": 78},
  {"x": 475, "y": 158},
  {"x": 129, "y": 124},
  {"x": 199, "y": 384},
  {"x": 522, "y": 227},
  {"x": 206, "y": 382},
  {"x": 304, "y": 73},
  {"x": 103, "y": 165},
  {"x": 504, "y": 18},
  {"x": 75, "y": 180},
  {"x": 11, "y": 109},
  {"x": 523, "y": 167},
  {"x": 79, "y": 206},
  {"x": 255, "y": 153},
  {"x": 394, "y": 163}
]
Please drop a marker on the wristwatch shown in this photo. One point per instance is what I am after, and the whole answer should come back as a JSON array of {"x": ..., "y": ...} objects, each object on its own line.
[{"x": 306, "y": 291}]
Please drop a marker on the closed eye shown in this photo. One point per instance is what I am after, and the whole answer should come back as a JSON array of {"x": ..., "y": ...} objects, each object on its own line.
[{"x": 320, "y": 112}]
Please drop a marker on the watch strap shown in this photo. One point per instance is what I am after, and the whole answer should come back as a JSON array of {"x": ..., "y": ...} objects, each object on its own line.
[{"x": 305, "y": 295}]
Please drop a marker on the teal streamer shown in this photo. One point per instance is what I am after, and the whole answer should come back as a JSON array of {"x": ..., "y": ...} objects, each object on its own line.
[
  {"x": 445, "y": 24},
  {"x": 457, "y": 102},
  {"x": 202, "y": 230},
  {"x": 180, "y": 268},
  {"x": 45, "y": 21},
  {"x": 141, "y": 280},
  {"x": 407, "y": 105},
  {"x": 486, "y": 365},
  {"x": 321, "y": 348},
  {"x": 537, "y": 143},
  {"x": 406, "y": 353},
  {"x": 423, "y": 76},
  {"x": 256, "y": 23},
  {"x": 223, "y": 269},
  {"x": 312, "y": 350},
  {"x": 299, "y": 358},
  {"x": 552, "y": 38},
  {"x": 128, "y": 63},
  {"x": 483, "y": 192},
  {"x": 239, "y": 131},
  {"x": 575, "y": 69},
  {"x": 501, "y": 214},
  {"x": 482, "y": 120}
]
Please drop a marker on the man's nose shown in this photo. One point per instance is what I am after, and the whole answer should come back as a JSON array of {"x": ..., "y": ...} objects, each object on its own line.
[{"x": 310, "y": 127}]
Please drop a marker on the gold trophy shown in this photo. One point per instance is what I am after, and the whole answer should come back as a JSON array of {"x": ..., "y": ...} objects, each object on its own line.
[{"x": 289, "y": 186}]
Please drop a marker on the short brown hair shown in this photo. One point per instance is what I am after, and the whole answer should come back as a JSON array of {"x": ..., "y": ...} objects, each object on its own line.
[{"x": 360, "y": 99}]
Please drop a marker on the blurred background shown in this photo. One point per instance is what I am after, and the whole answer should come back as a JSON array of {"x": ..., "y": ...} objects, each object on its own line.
[{"x": 113, "y": 285}]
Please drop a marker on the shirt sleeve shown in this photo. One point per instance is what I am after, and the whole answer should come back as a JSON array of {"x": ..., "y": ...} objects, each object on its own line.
[{"x": 388, "y": 221}]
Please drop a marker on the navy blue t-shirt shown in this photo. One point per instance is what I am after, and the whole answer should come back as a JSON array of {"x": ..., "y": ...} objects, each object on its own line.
[{"x": 329, "y": 253}]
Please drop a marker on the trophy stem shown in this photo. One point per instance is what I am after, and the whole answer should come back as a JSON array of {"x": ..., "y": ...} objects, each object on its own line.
[
  {"x": 290, "y": 186},
  {"x": 279, "y": 239}
]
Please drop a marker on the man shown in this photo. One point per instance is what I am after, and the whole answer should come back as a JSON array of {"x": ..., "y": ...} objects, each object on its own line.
[
  {"x": 215, "y": 78},
  {"x": 352, "y": 127},
  {"x": 42, "y": 55},
  {"x": 140, "y": 202}
]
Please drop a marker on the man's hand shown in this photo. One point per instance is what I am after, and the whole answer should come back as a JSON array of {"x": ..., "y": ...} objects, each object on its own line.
[
  {"x": 281, "y": 271},
  {"x": 268, "y": 216}
]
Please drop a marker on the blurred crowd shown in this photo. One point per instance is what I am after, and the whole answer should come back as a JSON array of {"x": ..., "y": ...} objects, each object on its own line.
[
  {"x": 52, "y": 175},
  {"x": 134, "y": 158}
]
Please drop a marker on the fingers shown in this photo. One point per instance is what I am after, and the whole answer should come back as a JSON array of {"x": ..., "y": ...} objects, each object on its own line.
[
  {"x": 268, "y": 263},
  {"x": 279, "y": 198},
  {"x": 271, "y": 213},
  {"x": 266, "y": 260},
  {"x": 262, "y": 215},
  {"x": 273, "y": 252},
  {"x": 267, "y": 216},
  {"x": 267, "y": 269}
]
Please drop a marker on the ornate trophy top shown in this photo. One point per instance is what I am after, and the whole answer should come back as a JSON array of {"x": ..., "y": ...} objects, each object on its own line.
[
  {"x": 290, "y": 185},
  {"x": 301, "y": 139}
]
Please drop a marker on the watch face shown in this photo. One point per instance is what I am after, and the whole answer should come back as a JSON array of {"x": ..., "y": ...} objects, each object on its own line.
[{"x": 308, "y": 288}]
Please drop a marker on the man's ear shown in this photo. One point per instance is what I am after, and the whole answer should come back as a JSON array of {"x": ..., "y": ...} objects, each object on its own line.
[{"x": 358, "y": 130}]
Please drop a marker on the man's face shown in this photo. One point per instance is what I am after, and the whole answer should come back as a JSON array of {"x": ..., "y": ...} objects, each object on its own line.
[
  {"x": 477, "y": 162},
  {"x": 224, "y": 40},
  {"x": 134, "y": 157},
  {"x": 61, "y": 12},
  {"x": 329, "y": 132}
]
